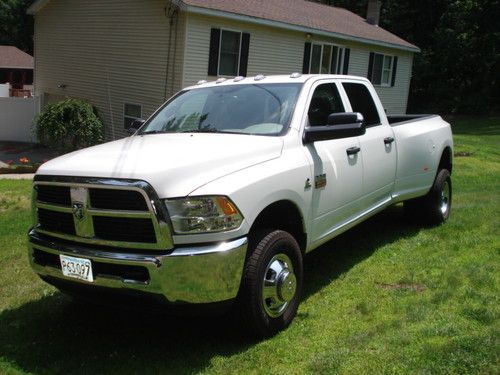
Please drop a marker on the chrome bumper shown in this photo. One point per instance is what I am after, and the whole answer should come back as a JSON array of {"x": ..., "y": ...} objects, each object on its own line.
[{"x": 201, "y": 274}]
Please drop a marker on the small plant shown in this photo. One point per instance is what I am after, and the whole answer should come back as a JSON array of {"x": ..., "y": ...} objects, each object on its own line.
[{"x": 69, "y": 125}]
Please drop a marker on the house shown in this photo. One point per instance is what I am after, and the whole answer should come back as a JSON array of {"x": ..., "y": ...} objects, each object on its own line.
[
  {"x": 128, "y": 56},
  {"x": 16, "y": 71}
]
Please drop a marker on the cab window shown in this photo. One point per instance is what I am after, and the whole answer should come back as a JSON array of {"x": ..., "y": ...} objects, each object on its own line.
[{"x": 325, "y": 101}]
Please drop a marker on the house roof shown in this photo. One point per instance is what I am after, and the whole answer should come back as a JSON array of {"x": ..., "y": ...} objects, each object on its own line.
[
  {"x": 300, "y": 15},
  {"x": 310, "y": 16},
  {"x": 13, "y": 57}
]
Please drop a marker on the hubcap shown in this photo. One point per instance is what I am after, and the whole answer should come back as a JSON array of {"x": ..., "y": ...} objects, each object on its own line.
[
  {"x": 445, "y": 198},
  {"x": 279, "y": 285}
]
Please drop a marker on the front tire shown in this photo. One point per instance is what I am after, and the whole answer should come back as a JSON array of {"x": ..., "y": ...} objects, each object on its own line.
[{"x": 272, "y": 283}]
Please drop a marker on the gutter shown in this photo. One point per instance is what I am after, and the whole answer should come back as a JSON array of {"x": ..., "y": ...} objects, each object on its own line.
[{"x": 283, "y": 25}]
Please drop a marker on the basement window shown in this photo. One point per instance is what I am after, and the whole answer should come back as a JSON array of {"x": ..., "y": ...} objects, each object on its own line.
[{"x": 131, "y": 112}]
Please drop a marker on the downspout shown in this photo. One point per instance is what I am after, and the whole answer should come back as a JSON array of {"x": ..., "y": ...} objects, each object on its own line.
[{"x": 171, "y": 12}]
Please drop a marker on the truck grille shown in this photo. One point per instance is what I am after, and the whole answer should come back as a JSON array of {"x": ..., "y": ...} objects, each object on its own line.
[
  {"x": 124, "y": 229},
  {"x": 56, "y": 221},
  {"x": 109, "y": 213},
  {"x": 117, "y": 200},
  {"x": 54, "y": 194}
]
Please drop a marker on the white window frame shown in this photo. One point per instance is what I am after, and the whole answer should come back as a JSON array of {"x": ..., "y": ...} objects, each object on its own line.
[
  {"x": 125, "y": 116},
  {"x": 340, "y": 57},
  {"x": 390, "y": 70},
  {"x": 220, "y": 50}
]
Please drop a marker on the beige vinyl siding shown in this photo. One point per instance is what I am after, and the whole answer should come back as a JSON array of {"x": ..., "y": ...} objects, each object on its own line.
[
  {"x": 394, "y": 98},
  {"x": 277, "y": 51},
  {"x": 271, "y": 51},
  {"x": 109, "y": 52}
]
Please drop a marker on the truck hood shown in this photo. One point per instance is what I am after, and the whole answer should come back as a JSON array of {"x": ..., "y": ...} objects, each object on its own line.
[{"x": 174, "y": 164}]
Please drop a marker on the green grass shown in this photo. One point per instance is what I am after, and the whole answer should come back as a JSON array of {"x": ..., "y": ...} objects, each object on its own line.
[{"x": 388, "y": 297}]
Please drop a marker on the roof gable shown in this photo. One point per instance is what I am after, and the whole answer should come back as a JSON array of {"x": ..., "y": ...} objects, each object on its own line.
[{"x": 13, "y": 57}]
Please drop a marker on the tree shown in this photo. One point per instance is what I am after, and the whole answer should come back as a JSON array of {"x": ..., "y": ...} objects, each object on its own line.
[
  {"x": 16, "y": 27},
  {"x": 458, "y": 68}
]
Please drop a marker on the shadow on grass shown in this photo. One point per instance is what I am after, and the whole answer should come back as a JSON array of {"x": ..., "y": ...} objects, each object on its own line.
[
  {"x": 53, "y": 335},
  {"x": 339, "y": 255},
  {"x": 469, "y": 125}
]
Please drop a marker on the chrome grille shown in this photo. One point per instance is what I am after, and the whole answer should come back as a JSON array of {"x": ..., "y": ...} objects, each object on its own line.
[{"x": 105, "y": 212}]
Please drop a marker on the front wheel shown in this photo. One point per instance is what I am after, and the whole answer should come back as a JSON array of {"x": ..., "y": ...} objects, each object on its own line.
[{"x": 272, "y": 283}]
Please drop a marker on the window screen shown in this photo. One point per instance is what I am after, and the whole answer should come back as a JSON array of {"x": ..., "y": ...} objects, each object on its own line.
[{"x": 361, "y": 101}]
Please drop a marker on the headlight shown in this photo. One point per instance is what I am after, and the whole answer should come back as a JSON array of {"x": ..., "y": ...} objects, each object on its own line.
[{"x": 203, "y": 214}]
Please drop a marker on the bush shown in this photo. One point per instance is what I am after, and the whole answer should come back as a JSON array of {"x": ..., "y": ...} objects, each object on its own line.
[{"x": 69, "y": 125}]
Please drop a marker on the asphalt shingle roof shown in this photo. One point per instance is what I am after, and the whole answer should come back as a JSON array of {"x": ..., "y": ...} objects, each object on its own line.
[
  {"x": 307, "y": 14},
  {"x": 13, "y": 57}
]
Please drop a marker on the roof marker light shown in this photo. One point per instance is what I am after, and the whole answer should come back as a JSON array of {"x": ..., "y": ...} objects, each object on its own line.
[
  {"x": 220, "y": 80},
  {"x": 296, "y": 75},
  {"x": 259, "y": 77},
  {"x": 239, "y": 78},
  {"x": 201, "y": 82}
]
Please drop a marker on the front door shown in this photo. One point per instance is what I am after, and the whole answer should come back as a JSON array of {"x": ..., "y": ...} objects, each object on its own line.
[{"x": 338, "y": 174}]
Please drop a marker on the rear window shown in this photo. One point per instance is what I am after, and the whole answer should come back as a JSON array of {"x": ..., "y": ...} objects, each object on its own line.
[{"x": 361, "y": 101}]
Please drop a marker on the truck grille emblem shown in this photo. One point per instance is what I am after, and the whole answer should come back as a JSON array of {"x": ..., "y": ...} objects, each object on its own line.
[{"x": 78, "y": 211}]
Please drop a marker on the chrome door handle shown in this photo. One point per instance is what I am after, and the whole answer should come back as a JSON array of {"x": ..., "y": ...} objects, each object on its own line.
[
  {"x": 388, "y": 140},
  {"x": 353, "y": 150}
]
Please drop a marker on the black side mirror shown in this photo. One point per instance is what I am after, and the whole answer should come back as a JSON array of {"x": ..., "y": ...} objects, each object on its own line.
[
  {"x": 136, "y": 124},
  {"x": 340, "y": 125}
]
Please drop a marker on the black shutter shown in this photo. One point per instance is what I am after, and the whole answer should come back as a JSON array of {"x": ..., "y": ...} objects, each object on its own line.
[
  {"x": 370, "y": 66},
  {"x": 394, "y": 69},
  {"x": 245, "y": 44},
  {"x": 333, "y": 67},
  {"x": 347, "y": 54},
  {"x": 213, "y": 56},
  {"x": 307, "y": 58}
]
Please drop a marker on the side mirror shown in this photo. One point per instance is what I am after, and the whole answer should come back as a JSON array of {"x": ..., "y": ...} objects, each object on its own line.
[
  {"x": 136, "y": 124},
  {"x": 340, "y": 125}
]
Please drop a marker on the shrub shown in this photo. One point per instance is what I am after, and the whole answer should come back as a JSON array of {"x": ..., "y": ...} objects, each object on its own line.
[{"x": 69, "y": 125}]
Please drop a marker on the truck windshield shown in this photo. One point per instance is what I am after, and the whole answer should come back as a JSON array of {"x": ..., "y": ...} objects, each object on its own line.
[{"x": 260, "y": 109}]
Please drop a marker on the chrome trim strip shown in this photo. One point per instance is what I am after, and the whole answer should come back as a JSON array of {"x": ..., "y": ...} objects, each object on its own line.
[
  {"x": 209, "y": 249},
  {"x": 156, "y": 210}
]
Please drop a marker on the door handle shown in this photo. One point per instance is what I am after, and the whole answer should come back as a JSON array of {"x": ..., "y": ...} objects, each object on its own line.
[
  {"x": 388, "y": 140},
  {"x": 353, "y": 150}
]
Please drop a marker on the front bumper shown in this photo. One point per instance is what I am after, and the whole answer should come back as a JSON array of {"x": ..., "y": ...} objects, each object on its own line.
[{"x": 195, "y": 275}]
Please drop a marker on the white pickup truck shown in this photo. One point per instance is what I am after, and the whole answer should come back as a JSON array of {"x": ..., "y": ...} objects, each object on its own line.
[{"x": 217, "y": 197}]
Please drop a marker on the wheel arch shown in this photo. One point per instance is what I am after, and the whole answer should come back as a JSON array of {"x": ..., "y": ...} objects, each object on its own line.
[
  {"x": 284, "y": 215},
  {"x": 446, "y": 161}
]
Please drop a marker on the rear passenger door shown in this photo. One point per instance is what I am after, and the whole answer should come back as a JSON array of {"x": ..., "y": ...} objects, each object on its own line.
[{"x": 378, "y": 146}]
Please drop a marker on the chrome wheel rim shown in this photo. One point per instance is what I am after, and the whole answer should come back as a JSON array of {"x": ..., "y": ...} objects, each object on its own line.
[
  {"x": 445, "y": 198},
  {"x": 279, "y": 285}
]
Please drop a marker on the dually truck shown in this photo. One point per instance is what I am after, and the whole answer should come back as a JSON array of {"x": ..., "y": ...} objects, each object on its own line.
[{"x": 216, "y": 198}]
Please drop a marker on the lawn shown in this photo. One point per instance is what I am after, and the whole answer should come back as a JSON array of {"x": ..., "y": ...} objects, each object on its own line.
[{"x": 388, "y": 297}]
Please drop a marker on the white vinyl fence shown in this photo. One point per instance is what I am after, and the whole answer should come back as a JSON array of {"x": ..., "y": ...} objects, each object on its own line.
[{"x": 16, "y": 118}]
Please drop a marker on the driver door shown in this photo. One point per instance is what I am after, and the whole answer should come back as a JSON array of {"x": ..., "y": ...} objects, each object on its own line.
[{"x": 337, "y": 168}]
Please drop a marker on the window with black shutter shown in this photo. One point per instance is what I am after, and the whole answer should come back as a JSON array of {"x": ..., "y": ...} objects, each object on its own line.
[
  {"x": 228, "y": 54},
  {"x": 382, "y": 69}
]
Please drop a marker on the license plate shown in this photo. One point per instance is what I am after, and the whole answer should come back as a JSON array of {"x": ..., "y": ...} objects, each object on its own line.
[{"x": 77, "y": 268}]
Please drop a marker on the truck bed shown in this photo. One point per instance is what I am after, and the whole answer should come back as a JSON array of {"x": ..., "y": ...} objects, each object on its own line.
[{"x": 396, "y": 120}]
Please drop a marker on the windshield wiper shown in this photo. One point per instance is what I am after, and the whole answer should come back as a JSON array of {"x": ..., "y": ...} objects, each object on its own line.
[
  {"x": 152, "y": 132},
  {"x": 204, "y": 130}
]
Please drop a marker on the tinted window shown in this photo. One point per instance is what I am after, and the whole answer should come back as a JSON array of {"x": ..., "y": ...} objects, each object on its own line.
[
  {"x": 325, "y": 101},
  {"x": 362, "y": 102}
]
